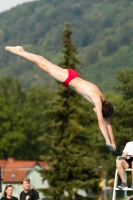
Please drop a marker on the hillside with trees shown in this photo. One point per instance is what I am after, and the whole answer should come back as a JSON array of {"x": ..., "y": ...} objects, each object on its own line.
[{"x": 102, "y": 33}]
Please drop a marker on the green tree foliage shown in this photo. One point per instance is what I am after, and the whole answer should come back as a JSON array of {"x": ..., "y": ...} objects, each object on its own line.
[
  {"x": 103, "y": 33},
  {"x": 22, "y": 119},
  {"x": 69, "y": 149},
  {"x": 11, "y": 99},
  {"x": 126, "y": 87},
  {"x": 124, "y": 111}
]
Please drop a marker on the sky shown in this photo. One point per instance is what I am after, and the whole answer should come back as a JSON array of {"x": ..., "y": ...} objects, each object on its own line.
[{"x": 8, "y": 4}]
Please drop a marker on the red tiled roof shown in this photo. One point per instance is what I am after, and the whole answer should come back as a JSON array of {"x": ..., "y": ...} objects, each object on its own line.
[
  {"x": 14, "y": 170},
  {"x": 43, "y": 165}
]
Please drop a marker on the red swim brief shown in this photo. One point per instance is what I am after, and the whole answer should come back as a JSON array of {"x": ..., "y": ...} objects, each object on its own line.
[{"x": 71, "y": 75}]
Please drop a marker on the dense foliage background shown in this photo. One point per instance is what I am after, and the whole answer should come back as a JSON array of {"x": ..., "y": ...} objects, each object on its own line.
[{"x": 102, "y": 32}]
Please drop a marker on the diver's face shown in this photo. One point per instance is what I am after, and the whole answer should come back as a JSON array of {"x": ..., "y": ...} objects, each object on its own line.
[{"x": 94, "y": 109}]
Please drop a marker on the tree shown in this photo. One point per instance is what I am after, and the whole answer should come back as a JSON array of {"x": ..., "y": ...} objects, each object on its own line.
[
  {"x": 22, "y": 119},
  {"x": 32, "y": 122},
  {"x": 68, "y": 151},
  {"x": 124, "y": 112},
  {"x": 11, "y": 99}
]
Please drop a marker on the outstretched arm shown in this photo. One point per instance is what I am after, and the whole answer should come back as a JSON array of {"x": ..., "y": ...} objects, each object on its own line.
[
  {"x": 110, "y": 132},
  {"x": 104, "y": 125}
]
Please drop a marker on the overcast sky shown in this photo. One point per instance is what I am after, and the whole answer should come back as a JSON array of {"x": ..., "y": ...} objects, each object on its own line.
[{"x": 7, "y": 4}]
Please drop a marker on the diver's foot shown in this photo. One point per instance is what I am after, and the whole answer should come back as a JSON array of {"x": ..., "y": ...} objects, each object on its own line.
[{"x": 14, "y": 50}]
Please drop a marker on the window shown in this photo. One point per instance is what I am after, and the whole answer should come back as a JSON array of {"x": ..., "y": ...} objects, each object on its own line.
[{"x": 13, "y": 176}]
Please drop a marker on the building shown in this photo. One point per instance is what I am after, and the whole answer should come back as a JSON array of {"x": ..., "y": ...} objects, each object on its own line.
[{"x": 13, "y": 170}]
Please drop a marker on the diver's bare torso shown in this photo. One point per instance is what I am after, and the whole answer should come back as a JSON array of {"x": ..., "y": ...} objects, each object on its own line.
[{"x": 86, "y": 89}]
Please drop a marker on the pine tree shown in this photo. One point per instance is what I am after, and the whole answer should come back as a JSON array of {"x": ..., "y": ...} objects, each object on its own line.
[
  {"x": 124, "y": 107},
  {"x": 68, "y": 149},
  {"x": 22, "y": 113}
]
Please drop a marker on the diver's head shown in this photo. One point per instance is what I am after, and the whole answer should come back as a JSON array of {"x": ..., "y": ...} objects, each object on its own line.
[{"x": 107, "y": 109}]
